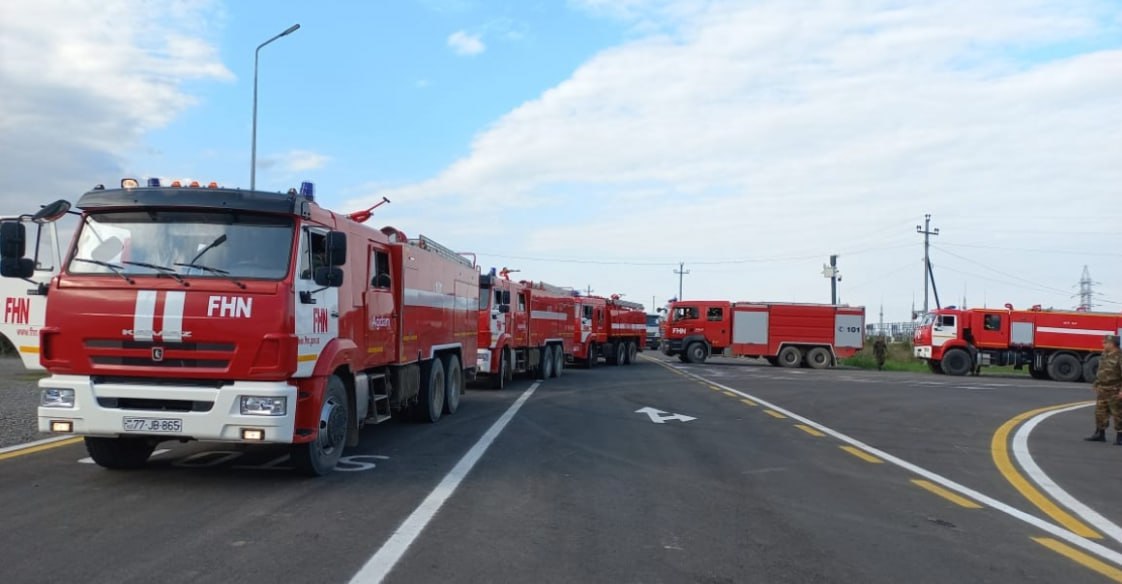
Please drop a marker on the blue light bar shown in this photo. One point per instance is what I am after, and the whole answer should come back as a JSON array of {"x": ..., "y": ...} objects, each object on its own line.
[
  {"x": 153, "y": 182},
  {"x": 308, "y": 190}
]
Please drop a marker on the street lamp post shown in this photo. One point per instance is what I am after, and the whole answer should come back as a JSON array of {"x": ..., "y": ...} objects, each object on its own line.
[{"x": 253, "y": 151}]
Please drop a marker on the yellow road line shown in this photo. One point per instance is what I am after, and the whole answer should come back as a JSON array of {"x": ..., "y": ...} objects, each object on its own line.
[
  {"x": 40, "y": 448},
  {"x": 713, "y": 387},
  {"x": 775, "y": 414},
  {"x": 1080, "y": 558},
  {"x": 809, "y": 430},
  {"x": 731, "y": 394},
  {"x": 748, "y": 402},
  {"x": 999, "y": 448},
  {"x": 944, "y": 493},
  {"x": 861, "y": 454}
]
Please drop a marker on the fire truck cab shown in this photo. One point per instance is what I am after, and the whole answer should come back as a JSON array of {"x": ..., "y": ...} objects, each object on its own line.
[
  {"x": 25, "y": 304},
  {"x": 214, "y": 314}
]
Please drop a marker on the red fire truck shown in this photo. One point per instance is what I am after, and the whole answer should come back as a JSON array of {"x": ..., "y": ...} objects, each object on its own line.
[
  {"x": 1053, "y": 344},
  {"x": 609, "y": 328},
  {"x": 523, "y": 327},
  {"x": 188, "y": 313},
  {"x": 786, "y": 334}
]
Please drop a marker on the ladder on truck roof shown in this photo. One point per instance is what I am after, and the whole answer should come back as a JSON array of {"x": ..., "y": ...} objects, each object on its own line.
[
  {"x": 558, "y": 290},
  {"x": 426, "y": 243},
  {"x": 628, "y": 304}
]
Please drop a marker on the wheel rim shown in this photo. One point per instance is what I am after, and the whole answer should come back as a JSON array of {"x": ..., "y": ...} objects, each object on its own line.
[{"x": 332, "y": 426}]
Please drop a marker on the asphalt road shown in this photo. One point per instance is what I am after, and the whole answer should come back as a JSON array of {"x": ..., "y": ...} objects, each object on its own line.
[{"x": 582, "y": 486}]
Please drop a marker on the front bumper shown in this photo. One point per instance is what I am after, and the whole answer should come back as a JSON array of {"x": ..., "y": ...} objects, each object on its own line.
[
  {"x": 222, "y": 422},
  {"x": 483, "y": 361},
  {"x": 922, "y": 352},
  {"x": 670, "y": 346}
]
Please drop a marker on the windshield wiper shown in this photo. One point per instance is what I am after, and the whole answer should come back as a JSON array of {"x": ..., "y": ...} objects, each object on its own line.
[
  {"x": 162, "y": 269},
  {"x": 119, "y": 270},
  {"x": 217, "y": 242},
  {"x": 208, "y": 269}
]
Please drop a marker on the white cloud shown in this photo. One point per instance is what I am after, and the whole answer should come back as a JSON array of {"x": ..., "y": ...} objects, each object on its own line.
[
  {"x": 786, "y": 131},
  {"x": 463, "y": 43},
  {"x": 81, "y": 82},
  {"x": 293, "y": 162}
]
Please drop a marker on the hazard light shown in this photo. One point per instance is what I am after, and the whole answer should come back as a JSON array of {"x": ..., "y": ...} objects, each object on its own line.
[
  {"x": 308, "y": 191},
  {"x": 129, "y": 183},
  {"x": 176, "y": 184},
  {"x": 194, "y": 184}
]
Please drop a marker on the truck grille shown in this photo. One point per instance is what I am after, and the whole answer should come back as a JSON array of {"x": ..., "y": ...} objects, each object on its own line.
[
  {"x": 181, "y": 355},
  {"x": 158, "y": 405}
]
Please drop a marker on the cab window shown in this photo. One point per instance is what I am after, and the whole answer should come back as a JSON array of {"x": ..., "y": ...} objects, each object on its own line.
[
  {"x": 992, "y": 322},
  {"x": 686, "y": 313},
  {"x": 521, "y": 301},
  {"x": 946, "y": 320},
  {"x": 715, "y": 314},
  {"x": 380, "y": 270}
]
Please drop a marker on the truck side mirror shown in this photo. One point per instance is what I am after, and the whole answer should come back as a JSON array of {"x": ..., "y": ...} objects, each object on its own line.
[
  {"x": 13, "y": 239},
  {"x": 336, "y": 244},
  {"x": 17, "y": 267},
  {"x": 330, "y": 277},
  {"x": 504, "y": 308},
  {"x": 52, "y": 212}
]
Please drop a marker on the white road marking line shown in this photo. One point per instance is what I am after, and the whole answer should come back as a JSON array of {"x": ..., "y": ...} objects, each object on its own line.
[
  {"x": 1087, "y": 545},
  {"x": 1024, "y": 458},
  {"x": 34, "y": 444},
  {"x": 380, "y": 564}
]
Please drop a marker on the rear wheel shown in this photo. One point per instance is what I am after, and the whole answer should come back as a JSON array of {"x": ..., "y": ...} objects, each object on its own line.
[
  {"x": 620, "y": 354},
  {"x": 790, "y": 356},
  {"x": 120, "y": 453},
  {"x": 819, "y": 358},
  {"x": 696, "y": 352},
  {"x": 545, "y": 366},
  {"x": 453, "y": 384},
  {"x": 431, "y": 402},
  {"x": 558, "y": 360},
  {"x": 957, "y": 362},
  {"x": 318, "y": 457},
  {"x": 632, "y": 352},
  {"x": 1091, "y": 369},
  {"x": 1065, "y": 367}
]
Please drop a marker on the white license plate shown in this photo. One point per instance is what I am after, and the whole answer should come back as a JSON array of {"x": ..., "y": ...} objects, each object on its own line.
[{"x": 153, "y": 425}]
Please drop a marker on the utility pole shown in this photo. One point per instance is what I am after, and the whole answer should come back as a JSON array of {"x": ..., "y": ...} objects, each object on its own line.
[
  {"x": 1086, "y": 291},
  {"x": 927, "y": 233},
  {"x": 681, "y": 271},
  {"x": 831, "y": 272}
]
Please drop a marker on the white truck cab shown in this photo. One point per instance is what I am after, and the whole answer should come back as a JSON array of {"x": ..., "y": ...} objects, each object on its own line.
[{"x": 24, "y": 301}]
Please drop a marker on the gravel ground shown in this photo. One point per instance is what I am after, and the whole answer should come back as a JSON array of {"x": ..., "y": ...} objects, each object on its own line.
[{"x": 19, "y": 396}]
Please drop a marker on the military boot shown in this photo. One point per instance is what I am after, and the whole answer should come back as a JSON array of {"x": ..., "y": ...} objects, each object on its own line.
[{"x": 1098, "y": 436}]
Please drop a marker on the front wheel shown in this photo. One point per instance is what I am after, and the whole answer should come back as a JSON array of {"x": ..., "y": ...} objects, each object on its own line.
[
  {"x": 957, "y": 362},
  {"x": 696, "y": 353},
  {"x": 120, "y": 453},
  {"x": 318, "y": 457},
  {"x": 500, "y": 378},
  {"x": 545, "y": 366},
  {"x": 593, "y": 356}
]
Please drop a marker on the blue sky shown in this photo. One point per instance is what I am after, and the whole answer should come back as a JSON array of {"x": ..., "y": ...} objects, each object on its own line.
[
  {"x": 597, "y": 143},
  {"x": 372, "y": 86}
]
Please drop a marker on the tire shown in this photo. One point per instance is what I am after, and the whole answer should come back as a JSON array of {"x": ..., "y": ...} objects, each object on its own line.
[
  {"x": 499, "y": 379},
  {"x": 593, "y": 356},
  {"x": 696, "y": 352},
  {"x": 1091, "y": 368},
  {"x": 1038, "y": 373},
  {"x": 790, "y": 356},
  {"x": 957, "y": 362},
  {"x": 120, "y": 453},
  {"x": 431, "y": 402},
  {"x": 935, "y": 367},
  {"x": 621, "y": 354},
  {"x": 1065, "y": 367},
  {"x": 453, "y": 384},
  {"x": 819, "y": 358},
  {"x": 319, "y": 457},
  {"x": 632, "y": 352},
  {"x": 558, "y": 361},
  {"x": 545, "y": 366}
]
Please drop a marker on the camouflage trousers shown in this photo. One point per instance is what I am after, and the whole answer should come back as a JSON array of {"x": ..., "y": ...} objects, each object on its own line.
[{"x": 1108, "y": 405}]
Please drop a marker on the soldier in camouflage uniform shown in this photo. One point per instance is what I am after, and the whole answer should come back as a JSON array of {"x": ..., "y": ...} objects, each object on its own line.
[
  {"x": 1108, "y": 385},
  {"x": 880, "y": 350}
]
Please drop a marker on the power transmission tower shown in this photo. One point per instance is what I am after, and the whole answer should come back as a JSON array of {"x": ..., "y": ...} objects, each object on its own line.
[
  {"x": 927, "y": 233},
  {"x": 1086, "y": 291},
  {"x": 681, "y": 271}
]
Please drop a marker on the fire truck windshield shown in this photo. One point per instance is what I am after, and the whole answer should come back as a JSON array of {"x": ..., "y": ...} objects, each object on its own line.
[
  {"x": 212, "y": 244},
  {"x": 685, "y": 313}
]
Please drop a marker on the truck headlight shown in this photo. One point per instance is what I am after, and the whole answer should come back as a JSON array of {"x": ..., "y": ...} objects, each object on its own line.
[
  {"x": 263, "y": 406},
  {"x": 56, "y": 398}
]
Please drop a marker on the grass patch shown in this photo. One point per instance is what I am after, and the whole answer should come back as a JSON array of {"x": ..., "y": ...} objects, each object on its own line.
[{"x": 901, "y": 358}]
